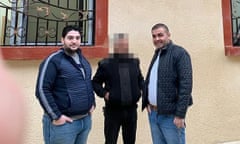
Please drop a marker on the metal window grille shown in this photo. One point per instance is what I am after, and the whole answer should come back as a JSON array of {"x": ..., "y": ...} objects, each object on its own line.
[
  {"x": 235, "y": 6},
  {"x": 40, "y": 22}
]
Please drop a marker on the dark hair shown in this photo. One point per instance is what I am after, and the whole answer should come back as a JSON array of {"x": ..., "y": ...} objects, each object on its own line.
[
  {"x": 120, "y": 36},
  {"x": 69, "y": 28},
  {"x": 159, "y": 25}
]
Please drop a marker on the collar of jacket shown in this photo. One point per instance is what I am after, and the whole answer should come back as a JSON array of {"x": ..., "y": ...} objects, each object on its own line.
[{"x": 121, "y": 55}]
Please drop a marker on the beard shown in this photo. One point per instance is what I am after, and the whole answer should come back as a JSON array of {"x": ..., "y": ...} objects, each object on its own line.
[
  {"x": 70, "y": 51},
  {"x": 161, "y": 45}
]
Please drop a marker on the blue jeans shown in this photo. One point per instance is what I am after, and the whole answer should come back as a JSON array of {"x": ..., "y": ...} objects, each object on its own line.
[
  {"x": 68, "y": 133},
  {"x": 164, "y": 131}
]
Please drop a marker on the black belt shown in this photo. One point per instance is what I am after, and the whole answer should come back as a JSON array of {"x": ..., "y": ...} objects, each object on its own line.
[
  {"x": 77, "y": 117},
  {"x": 153, "y": 107}
]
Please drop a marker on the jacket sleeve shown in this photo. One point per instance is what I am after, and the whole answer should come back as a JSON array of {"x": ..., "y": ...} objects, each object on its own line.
[
  {"x": 98, "y": 80},
  {"x": 184, "y": 83},
  {"x": 44, "y": 89},
  {"x": 145, "y": 101},
  {"x": 140, "y": 76}
]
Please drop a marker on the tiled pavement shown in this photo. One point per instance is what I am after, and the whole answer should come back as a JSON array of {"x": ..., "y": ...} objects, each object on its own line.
[{"x": 235, "y": 142}]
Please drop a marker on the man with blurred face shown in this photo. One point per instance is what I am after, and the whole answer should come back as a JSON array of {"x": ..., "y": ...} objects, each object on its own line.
[
  {"x": 65, "y": 92},
  {"x": 118, "y": 80},
  {"x": 168, "y": 88}
]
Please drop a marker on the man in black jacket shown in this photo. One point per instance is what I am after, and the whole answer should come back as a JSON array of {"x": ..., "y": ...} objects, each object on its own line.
[
  {"x": 119, "y": 81},
  {"x": 168, "y": 88}
]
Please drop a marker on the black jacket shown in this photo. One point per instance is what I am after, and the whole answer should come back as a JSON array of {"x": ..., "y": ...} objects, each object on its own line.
[
  {"x": 121, "y": 76},
  {"x": 174, "y": 84}
]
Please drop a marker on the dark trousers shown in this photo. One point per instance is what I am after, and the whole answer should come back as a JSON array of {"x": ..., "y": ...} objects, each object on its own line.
[{"x": 114, "y": 119}]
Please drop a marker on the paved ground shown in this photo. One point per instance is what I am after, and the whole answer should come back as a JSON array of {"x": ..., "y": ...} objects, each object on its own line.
[{"x": 236, "y": 142}]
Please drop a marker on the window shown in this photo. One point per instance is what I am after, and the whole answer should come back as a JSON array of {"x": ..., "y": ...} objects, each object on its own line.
[
  {"x": 31, "y": 29},
  {"x": 231, "y": 25}
]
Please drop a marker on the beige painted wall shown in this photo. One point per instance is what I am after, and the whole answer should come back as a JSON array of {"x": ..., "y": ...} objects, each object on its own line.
[{"x": 194, "y": 24}]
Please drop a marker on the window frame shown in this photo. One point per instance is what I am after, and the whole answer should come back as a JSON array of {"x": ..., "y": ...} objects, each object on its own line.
[
  {"x": 98, "y": 50},
  {"x": 230, "y": 49}
]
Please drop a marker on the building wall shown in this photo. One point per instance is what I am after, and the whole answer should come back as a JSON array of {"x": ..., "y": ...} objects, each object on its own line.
[{"x": 195, "y": 25}]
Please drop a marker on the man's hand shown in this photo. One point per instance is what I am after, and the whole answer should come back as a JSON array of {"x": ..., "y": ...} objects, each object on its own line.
[
  {"x": 62, "y": 120},
  {"x": 106, "y": 96},
  {"x": 92, "y": 109},
  {"x": 179, "y": 122},
  {"x": 148, "y": 108}
]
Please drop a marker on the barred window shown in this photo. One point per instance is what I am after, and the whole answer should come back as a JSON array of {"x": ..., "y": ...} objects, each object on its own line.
[
  {"x": 39, "y": 23},
  {"x": 231, "y": 26},
  {"x": 236, "y": 22}
]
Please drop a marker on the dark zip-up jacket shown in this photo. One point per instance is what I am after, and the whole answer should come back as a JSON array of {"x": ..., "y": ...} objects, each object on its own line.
[
  {"x": 174, "y": 84},
  {"x": 121, "y": 76},
  {"x": 61, "y": 86}
]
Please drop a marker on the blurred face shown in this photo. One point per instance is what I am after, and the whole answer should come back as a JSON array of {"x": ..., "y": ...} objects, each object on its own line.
[
  {"x": 121, "y": 46},
  {"x": 161, "y": 37},
  {"x": 71, "y": 42}
]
